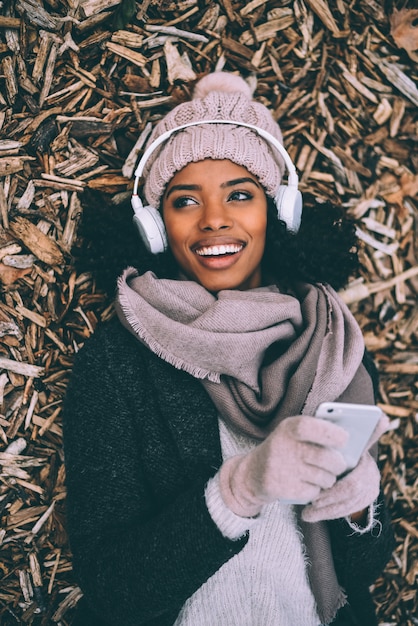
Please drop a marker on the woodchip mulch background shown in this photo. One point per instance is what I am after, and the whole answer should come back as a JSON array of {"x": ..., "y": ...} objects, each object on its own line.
[{"x": 81, "y": 85}]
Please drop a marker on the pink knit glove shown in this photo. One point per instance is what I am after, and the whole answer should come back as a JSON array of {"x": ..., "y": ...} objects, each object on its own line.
[
  {"x": 355, "y": 491},
  {"x": 296, "y": 461}
]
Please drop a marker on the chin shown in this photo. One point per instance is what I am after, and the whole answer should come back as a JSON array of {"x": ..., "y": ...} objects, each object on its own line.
[{"x": 221, "y": 284}]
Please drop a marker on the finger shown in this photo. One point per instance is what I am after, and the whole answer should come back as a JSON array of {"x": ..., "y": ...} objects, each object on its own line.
[
  {"x": 352, "y": 491},
  {"x": 323, "y": 502},
  {"x": 303, "y": 493},
  {"x": 321, "y": 508},
  {"x": 326, "y": 459},
  {"x": 312, "y": 514},
  {"x": 339, "y": 493},
  {"x": 315, "y": 513},
  {"x": 322, "y": 432},
  {"x": 321, "y": 478}
]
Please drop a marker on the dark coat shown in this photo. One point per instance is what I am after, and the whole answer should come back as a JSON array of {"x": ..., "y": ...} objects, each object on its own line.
[{"x": 141, "y": 440}]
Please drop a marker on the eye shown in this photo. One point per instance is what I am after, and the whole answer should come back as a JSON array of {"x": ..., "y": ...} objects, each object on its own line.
[
  {"x": 183, "y": 201},
  {"x": 239, "y": 196}
]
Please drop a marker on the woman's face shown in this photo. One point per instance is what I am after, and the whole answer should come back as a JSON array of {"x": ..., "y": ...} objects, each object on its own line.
[{"x": 215, "y": 214}]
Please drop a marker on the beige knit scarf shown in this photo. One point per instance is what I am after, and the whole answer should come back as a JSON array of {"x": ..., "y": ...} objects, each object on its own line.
[{"x": 262, "y": 355}]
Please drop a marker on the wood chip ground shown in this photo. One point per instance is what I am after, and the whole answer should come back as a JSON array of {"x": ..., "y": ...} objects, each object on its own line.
[{"x": 81, "y": 85}]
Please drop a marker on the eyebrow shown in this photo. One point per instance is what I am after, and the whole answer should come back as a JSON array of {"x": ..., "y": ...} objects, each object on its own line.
[
  {"x": 183, "y": 188},
  {"x": 228, "y": 183},
  {"x": 239, "y": 181}
]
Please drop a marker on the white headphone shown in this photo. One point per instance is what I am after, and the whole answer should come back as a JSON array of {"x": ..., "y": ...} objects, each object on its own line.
[{"x": 148, "y": 220}]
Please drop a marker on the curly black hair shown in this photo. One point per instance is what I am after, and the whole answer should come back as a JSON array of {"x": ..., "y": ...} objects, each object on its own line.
[{"x": 324, "y": 249}]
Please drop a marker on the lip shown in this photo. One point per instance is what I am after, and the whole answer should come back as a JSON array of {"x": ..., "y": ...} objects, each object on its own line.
[
  {"x": 221, "y": 261},
  {"x": 217, "y": 241}
]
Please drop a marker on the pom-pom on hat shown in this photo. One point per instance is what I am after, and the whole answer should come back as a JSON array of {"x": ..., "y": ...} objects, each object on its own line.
[{"x": 219, "y": 95}]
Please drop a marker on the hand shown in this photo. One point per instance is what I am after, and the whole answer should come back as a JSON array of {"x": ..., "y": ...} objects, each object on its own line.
[
  {"x": 355, "y": 491},
  {"x": 298, "y": 459}
]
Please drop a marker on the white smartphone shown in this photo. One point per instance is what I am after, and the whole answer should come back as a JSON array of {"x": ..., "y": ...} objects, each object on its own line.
[{"x": 358, "y": 419}]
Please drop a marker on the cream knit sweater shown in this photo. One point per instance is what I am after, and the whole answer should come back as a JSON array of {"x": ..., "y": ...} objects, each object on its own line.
[{"x": 266, "y": 583}]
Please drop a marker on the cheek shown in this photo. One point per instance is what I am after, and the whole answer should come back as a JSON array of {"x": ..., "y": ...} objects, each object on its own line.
[
  {"x": 176, "y": 236},
  {"x": 259, "y": 241},
  {"x": 258, "y": 228},
  {"x": 175, "y": 229}
]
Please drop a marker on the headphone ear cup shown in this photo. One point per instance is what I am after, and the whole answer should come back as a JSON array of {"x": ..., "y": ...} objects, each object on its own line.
[
  {"x": 151, "y": 229},
  {"x": 289, "y": 206}
]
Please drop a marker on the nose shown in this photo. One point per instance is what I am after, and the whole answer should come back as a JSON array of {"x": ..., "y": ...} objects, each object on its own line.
[{"x": 215, "y": 216}]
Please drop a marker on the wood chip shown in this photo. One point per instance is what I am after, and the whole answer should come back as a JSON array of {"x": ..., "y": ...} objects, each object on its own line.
[
  {"x": 25, "y": 369},
  {"x": 41, "y": 246},
  {"x": 78, "y": 101}
]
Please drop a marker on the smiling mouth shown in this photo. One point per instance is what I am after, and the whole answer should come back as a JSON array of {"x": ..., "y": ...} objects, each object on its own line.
[{"x": 219, "y": 250}]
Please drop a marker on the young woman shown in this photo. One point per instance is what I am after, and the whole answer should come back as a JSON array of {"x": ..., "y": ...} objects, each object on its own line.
[{"x": 201, "y": 489}]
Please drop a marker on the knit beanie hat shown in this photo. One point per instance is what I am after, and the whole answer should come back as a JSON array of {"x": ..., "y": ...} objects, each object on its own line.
[{"x": 219, "y": 95}]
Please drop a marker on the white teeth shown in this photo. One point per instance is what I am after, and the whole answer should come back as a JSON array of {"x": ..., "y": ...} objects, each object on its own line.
[{"x": 218, "y": 250}]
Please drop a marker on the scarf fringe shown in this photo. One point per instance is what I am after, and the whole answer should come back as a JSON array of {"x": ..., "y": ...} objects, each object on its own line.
[
  {"x": 328, "y": 614},
  {"x": 155, "y": 347}
]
